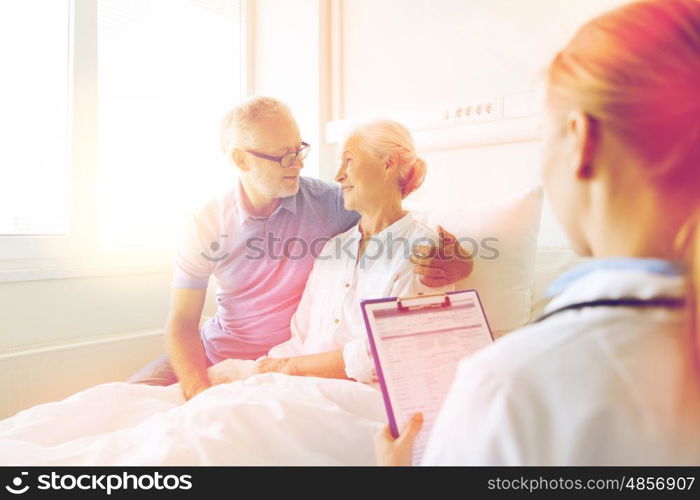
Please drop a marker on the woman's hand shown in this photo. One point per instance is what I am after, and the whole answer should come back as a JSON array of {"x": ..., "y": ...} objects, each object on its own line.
[
  {"x": 278, "y": 365},
  {"x": 399, "y": 451},
  {"x": 230, "y": 370}
]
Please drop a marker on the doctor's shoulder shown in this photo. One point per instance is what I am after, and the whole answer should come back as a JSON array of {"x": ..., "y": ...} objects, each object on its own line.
[{"x": 535, "y": 349}]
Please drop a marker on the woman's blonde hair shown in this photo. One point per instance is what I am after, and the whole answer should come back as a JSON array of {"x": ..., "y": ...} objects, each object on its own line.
[
  {"x": 384, "y": 138},
  {"x": 636, "y": 71}
]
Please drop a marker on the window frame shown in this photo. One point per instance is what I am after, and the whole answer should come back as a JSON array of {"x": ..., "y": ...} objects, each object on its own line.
[{"x": 77, "y": 253}]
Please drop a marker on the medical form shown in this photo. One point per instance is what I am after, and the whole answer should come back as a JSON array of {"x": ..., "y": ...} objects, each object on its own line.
[{"x": 417, "y": 343}]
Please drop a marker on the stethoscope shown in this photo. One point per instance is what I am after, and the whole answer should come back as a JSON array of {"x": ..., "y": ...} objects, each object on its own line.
[{"x": 662, "y": 302}]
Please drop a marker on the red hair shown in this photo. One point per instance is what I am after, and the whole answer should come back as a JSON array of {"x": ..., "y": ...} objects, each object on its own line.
[{"x": 636, "y": 70}]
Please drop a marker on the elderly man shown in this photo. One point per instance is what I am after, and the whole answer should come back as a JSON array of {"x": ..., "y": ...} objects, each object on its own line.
[{"x": 259, "y": 240}]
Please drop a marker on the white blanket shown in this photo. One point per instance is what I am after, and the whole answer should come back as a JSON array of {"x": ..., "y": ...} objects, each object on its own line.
[{"x": 268, "y": 419}]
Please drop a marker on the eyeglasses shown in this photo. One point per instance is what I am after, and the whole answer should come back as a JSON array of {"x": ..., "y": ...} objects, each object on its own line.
[{"x": 286, "y": 160}]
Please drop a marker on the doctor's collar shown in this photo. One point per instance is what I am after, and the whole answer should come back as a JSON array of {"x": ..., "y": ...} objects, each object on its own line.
[{"x": 652, "y": 266}]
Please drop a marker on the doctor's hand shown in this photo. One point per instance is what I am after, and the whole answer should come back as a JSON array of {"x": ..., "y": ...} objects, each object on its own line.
[
  {"x": 399, "y": 451},
  {"x": 443, "y": 265}
]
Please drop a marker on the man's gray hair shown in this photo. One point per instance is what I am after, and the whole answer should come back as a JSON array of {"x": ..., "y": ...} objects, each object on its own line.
[{"x": 237, "y": 127}]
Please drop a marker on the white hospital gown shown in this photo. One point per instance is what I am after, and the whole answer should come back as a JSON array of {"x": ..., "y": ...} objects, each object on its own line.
[{"x": 329, "y": 316}]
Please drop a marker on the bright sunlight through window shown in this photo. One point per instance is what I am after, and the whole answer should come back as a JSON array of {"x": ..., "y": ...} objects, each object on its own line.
[
  {"x": 34, "y": 104},
  {"x": 168, "y": 70}
]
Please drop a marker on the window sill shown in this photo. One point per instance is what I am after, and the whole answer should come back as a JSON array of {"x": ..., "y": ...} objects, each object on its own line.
[{"x": 106, "y": 264}]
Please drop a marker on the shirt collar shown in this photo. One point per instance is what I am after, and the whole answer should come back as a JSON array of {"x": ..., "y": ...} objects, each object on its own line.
[
  {"x": 392, "y": 229},
  {"x": 653, "y": 266},
  {"x": 241, "y": 200},
  {"x": 289, "y": 203}
]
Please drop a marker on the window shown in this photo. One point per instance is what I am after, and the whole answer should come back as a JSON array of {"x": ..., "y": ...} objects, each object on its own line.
[
  {"x": 110, "y": 122},
  {"x": 168, "y": 72},
  {"x": 34, "y": 185}
]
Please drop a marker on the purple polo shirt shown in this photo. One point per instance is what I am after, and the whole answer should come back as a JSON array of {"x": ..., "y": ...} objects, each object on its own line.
[{"x": 260, "y": 264}]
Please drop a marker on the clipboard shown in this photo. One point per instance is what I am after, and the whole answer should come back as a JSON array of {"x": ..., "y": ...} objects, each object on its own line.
[{"x": 417, "y": 344}]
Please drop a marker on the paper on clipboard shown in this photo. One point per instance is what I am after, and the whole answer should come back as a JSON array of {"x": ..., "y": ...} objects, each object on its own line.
[{"x": 416, "y": 344}]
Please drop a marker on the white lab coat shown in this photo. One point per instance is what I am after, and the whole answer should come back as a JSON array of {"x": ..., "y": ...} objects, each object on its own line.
[{"x": 593, "y": 386}]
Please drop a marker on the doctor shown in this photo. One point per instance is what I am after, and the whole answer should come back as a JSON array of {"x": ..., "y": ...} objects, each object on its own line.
[{"x": 609, "y": 376}]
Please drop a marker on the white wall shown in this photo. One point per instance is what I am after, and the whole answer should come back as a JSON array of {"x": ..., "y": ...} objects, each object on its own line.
[
  {"x": 59, "y": 336},
  {"x": 400, "y": 53},
  {"x": 287, "y": 64},
  {"x": 416, "y": 54},
  {"x": 37, "y": 312}
]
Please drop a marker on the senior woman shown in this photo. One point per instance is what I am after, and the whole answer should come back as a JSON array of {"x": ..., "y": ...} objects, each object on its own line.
[{"x": 379, "y": 168}]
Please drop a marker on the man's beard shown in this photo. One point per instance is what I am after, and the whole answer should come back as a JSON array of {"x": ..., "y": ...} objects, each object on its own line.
[{"x": 279, "y": 190}]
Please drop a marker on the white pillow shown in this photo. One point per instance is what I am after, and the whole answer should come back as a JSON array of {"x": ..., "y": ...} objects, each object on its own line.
[{"x": 504, "y": 240}]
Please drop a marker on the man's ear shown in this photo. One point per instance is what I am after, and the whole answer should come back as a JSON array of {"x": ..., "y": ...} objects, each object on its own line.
[
  {"x": 238, "y": 159},
  {"x": 581, "y": 130}
]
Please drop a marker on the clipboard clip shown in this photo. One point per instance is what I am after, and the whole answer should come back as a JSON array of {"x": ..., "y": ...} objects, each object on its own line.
[{"x": 430, "y": 301}]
